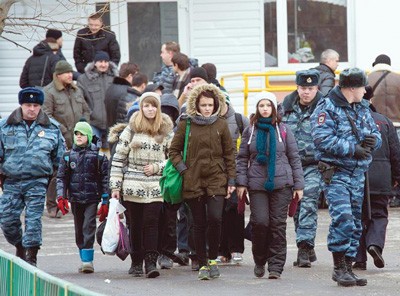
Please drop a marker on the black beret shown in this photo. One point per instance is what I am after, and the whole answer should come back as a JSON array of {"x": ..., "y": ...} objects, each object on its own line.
[
  {"x": 352, "y": 77},
  {"x": 307, "y": 77},
  {"x": 30, "y": 95}
]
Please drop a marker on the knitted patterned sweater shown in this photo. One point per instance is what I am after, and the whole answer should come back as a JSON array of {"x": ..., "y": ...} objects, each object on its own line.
[{"x": 135, "y": 150}]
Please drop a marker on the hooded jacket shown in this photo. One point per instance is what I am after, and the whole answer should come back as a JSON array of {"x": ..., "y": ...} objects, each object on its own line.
[
  {"x": 135, "y": 150},
  {"x": 39, "y": 68},
  {"x": 94, "y": 86},
  {"x": 210, "y": 162},
  {"x": 67, "y": 105}
]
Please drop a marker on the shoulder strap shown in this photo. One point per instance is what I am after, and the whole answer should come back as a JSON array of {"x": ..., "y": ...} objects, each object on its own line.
[
  {"x": 44, "y": 71},
  {"x": 379, "y": 80},
  {"x": 353, "y": 126},
  {"x": 239, "y": 122},
  {"x": 186, "y": 139}
]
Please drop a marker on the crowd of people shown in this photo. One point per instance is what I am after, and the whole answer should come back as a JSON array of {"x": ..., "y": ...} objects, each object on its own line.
[{"x": 110, "y": 134}]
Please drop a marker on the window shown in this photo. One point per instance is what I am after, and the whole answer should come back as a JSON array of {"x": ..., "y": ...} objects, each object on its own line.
[{"x": 311, "y": 25}]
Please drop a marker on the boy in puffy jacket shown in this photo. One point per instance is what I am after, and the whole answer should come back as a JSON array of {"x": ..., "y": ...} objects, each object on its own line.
[{"x": 82, "y": 179}]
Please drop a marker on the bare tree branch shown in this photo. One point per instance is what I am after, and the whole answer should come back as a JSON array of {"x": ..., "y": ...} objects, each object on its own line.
[{"x": 5, "y": 6}]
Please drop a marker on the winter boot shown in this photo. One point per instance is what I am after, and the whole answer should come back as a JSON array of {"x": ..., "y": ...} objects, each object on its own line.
[
  {"x": 340, "y": 273},
  {"x": 136, "y": 266},
  {"x": 87, "y": 260},
  {"x": 359, "y": 281},
  {"x": 20, "y": 251},
  {"x": 312, "y": 255},
  {"x": 303, "y": 255},
  {"x": 31, "y": 255},
  {"x": 150, "y": 264}
]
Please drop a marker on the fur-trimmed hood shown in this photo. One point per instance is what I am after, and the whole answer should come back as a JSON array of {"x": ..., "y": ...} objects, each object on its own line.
[
  {"x": 191, "y": 101},
  {"x": 165, "y": 128},
  {"x": 115, "y": 132},
  {"x": 92, "y": 72}
]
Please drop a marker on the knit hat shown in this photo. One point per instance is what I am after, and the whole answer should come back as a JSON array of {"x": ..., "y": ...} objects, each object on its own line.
[
  {"x": 85, "y": 129},
  {"x": 31, "y": 95},
  {"x": 382, "y": 59},
  {"x": 101, "y": 56},
  {"x": 52, "y": 33},
  {"x": 149, "y": 94},
  {"x": 62, "y": 67},
  {"x": 266, "y": 95},
  {"x": 307, "y": 77},
  {"x": 198, "y": 72},
  {"x": 352, "y": 77}
]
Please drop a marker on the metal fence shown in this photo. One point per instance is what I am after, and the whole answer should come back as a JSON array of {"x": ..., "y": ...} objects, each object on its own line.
[{"x": 18, "y": 278}]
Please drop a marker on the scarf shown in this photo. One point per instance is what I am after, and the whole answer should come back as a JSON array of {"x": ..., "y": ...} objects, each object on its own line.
[
  {"x": 264, "y": 157},
  {"x": 201, "y": 120}
]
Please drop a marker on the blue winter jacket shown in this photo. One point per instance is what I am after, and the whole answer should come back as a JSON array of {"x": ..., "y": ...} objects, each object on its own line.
[
  {"x": 29, "y": 152},
  {"x": 333, "y": 134},
  {"x": 83, "y": 175}
]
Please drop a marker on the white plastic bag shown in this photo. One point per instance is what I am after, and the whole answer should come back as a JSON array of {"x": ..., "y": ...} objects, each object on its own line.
[{"x": 110, "y": 239}]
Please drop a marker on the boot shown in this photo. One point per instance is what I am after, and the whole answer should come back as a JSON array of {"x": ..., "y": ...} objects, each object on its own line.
[
  {"x": 312, "y": 255},
  {"x": 20, "y": 251},
  {"x": 303, "y": 255},
  {"x": 359, "y": 281},
  {"x": 87, "y": 260},
  {"x": 150, "y": 264},
  {"x": 31, "y": 255},
  {"x": 340, "y": 273},
  {"x": 136, "y": 266}
]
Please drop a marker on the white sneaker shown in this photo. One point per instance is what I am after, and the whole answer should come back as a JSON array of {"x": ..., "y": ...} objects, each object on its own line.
[{"x": 237, "y": 258}]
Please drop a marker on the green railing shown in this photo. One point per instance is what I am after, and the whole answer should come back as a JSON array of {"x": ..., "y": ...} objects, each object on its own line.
[{"x": 18, "y": 278}]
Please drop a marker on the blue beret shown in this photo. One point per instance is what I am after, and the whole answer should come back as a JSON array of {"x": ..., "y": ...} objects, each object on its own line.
[
  {"x": 307, "y": 77},
  {"x": 352, "y": 77},
  {"x": 31, "y": 95}
]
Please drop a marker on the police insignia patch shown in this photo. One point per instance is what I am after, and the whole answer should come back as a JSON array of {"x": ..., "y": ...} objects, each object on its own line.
[
  {"x": 41, "y": 134},
  {"x": 309, "y": 80},
  {"x": 321, "y": 118}
]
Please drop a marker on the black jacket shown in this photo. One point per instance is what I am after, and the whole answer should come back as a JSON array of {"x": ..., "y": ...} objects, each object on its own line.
[
  {"x": 326, "y": 79},
  {"x": 385, "y": 166},
  {"x": 115, "y": 92},
  {"x": 84, "y": 175},
  {"x": 125, "y": 103},
  {"x": 87, "y": 44},
  {"x": 39, "y": 67}
]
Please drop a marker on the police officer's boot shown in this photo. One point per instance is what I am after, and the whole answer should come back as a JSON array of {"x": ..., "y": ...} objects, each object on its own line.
[
  {"x": 31, "y": 255},
  {"x": 359, "y": 281},
  {"x": 312, "y": 255},
  {"x": 20, "y": 251},
  {"x": 150, "y": 264},
  {"x": 303, "y": 255},
  {"x": 340, "y": 273}
]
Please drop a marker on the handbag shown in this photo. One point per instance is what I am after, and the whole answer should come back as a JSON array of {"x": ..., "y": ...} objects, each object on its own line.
[
  {"x": 124, "y": 243},
  {"x": 171, "y": 180}
]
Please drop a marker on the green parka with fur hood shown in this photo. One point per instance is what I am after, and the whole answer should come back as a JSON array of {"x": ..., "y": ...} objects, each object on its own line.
[{"x": 210, "y": 161}]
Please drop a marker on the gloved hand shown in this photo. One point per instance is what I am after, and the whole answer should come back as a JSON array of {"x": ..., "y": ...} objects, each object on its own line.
[
  {"x": 62, "y": 204},
  {"x": 369, "y": 141},
  {"x": 103, "y": 211},
  {"x": 361, "y": 152}
]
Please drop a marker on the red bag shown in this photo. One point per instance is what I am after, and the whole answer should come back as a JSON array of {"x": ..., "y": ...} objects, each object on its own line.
[{"x": 293, "y": 206}]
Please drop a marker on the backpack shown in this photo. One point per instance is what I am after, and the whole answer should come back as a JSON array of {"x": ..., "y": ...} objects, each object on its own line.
[{"x": 239, "y": 122}]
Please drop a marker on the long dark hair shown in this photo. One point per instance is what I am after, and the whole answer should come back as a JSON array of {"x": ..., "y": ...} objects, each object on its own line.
[{"x": 276, "y": 117}]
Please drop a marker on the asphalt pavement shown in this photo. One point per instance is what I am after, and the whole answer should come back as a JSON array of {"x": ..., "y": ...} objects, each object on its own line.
[{"x": 59, "y": 257}]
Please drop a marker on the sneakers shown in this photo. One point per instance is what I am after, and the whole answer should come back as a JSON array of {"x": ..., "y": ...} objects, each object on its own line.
[
  {"x": 376, "y": 253},
  {"x": 204, "y": 273},
  {"x": 259, "y": 271},
  {"x": 181, "y": 258},
  {"x": 274, "y": 275},
  {"x": 86, "y": 267},
  {"x": 165, "y": 262},
  {"x": 222, "y": 260},
  {"x": 213, "y": 267},
  {"x": 237, "y": 258}
]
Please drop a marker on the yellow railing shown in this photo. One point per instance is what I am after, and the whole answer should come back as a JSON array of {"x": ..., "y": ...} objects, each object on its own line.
[{"x": 275, "y": 87}]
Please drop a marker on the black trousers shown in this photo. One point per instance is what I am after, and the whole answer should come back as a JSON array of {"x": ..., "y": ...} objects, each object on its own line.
[
  {"x": 85, "y": 224},
  {"x": 374, "y": 230},
  {"x": 232, "y": 236},
  {"x": 207, "y": 221},
  {"x": 143, "y": 227},
  {"x": 168, "y": 237},
  {"x": 268, "y": 218}
]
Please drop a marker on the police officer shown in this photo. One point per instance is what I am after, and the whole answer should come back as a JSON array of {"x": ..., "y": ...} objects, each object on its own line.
[
  {"x": 31, "y": 146},
  {"x": 344, "y": 135},
  {"x": 297, "y": 108}
]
